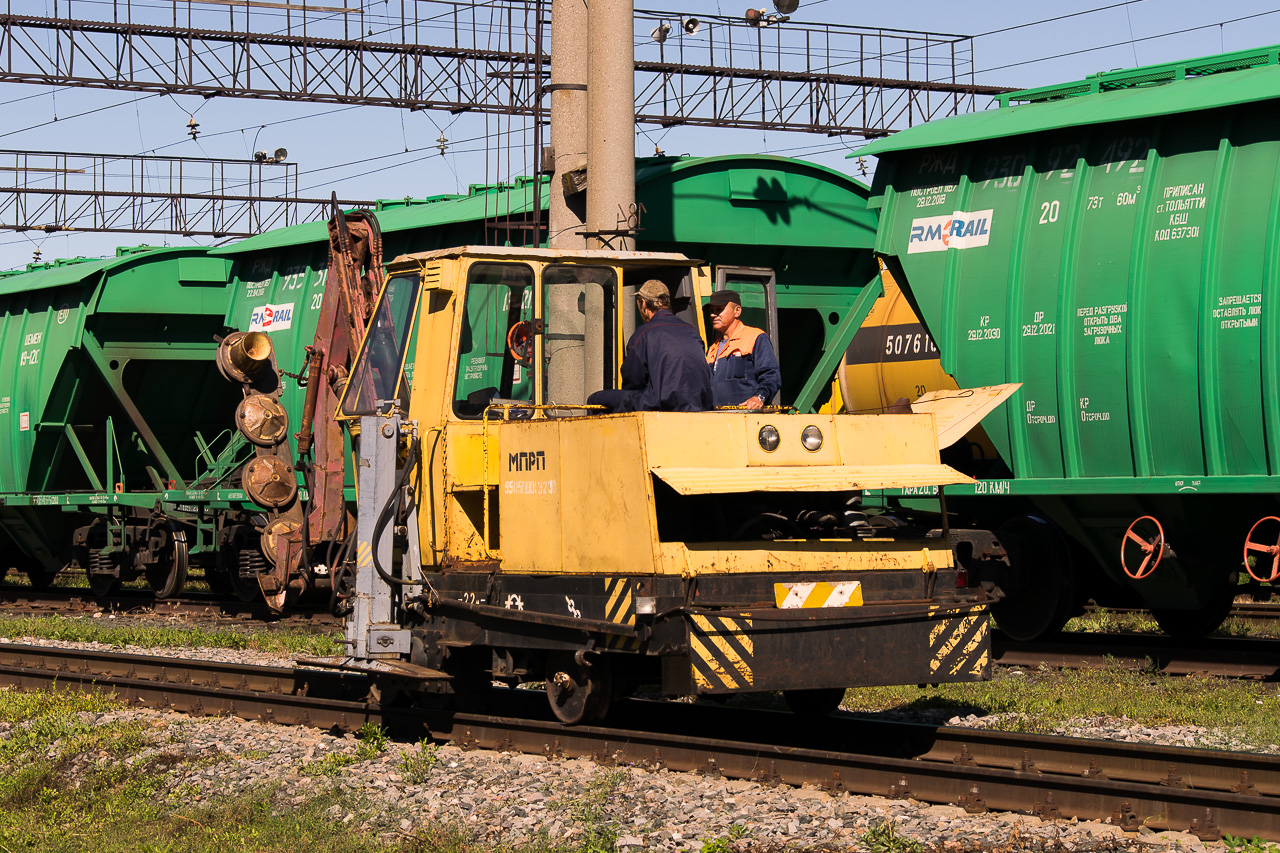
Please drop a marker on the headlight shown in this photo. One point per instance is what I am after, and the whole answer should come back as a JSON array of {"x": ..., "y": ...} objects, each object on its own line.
[
  {"x": 811, "y": 438},
  {"x": 769, "y": 438}
]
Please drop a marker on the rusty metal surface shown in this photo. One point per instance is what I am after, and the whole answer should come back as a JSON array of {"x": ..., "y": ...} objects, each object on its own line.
[{"x": 1159, "y": 787}]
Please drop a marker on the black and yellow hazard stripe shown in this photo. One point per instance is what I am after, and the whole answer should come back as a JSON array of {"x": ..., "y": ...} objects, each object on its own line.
[
  {"x": 620, "y": 607},
  {"x": 721, "y": 652},
  {"x": 960, "y": 645}
]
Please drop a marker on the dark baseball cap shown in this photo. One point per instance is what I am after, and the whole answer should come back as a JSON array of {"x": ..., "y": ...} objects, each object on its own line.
[{"x": 721, "y": 298}]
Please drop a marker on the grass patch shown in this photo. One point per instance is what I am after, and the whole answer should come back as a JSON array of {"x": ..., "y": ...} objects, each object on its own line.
[
  {"x": 1102, "y": 621},
  {"x": 330, "y": 765},
  {"x": 284, "y": 641},
  {"x": 418, "y": 766},
  {"x": 592, "y": 811},
  {"x": 1237, "y": 626},
  {"x": 70, "y": 781},
  {"x": 374, "y": 740},
  {"x": 1042, "y": 700},
  {"x": 884, "y": 838}
]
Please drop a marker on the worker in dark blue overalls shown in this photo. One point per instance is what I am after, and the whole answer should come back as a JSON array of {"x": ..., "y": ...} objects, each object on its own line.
[{"x": 663, "y": 369}]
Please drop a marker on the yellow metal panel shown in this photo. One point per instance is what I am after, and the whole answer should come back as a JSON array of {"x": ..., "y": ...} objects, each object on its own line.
[
  {"x": 530, "y": 495},
  {"x": 686, "y": 439},
  {"x": 718, "y": 558},
  {"x": 817, "y": 478},
  {"x": 607, "y": 497},
  {"x": 436, "y": 314},
  {"x": 466, "y": 446},
  {"x": 867, "y": 440},
  {"x": 731, "y": 440},
  {"x": 957, "y": 412}
]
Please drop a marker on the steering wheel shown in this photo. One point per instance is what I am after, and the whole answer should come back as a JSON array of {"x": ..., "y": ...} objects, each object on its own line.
[{"x": 520, "y": 342}]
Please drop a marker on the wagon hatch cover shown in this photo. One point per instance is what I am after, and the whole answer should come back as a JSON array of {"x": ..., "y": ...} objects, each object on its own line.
[
  {"x": 810, "y": 478},
  {"x": 957, "y": 412}
]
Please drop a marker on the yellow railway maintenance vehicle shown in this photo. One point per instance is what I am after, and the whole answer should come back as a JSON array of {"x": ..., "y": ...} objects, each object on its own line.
[{"x": 507, "y": 531}]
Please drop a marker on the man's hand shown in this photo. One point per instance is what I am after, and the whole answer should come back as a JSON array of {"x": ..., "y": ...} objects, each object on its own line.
[{"x": 753, "y": 403}]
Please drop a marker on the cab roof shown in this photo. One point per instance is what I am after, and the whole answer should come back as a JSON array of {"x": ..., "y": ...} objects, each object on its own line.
[{"x": 518, "y": 253}]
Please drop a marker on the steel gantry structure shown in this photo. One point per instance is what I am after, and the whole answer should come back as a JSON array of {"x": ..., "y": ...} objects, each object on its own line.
[
  {"x": 768, "y": 74},
  {"x": 761, "y": 72},
  {"x": 54, "y": 191}
]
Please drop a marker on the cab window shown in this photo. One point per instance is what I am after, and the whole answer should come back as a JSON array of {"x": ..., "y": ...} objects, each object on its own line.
[
  {"x": 578, "y": 345},
  {"x": 376, "y": 375},
  {"x": 495, "y": 352}
]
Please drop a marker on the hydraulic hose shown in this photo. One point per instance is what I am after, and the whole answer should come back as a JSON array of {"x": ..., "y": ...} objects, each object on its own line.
[{"x": 384, "y": 517}]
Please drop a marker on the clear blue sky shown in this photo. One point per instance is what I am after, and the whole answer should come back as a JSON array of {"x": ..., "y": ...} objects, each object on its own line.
[{"x": 1138, "y": 32}]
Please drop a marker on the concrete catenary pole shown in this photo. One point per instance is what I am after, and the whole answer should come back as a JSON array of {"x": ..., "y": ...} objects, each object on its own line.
[
  {"x": 611, "y": 118},
  {"x": 567, "y": 212}
]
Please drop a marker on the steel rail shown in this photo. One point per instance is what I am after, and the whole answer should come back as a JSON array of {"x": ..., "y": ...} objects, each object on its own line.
[
  {"x": 1261, "y": 610},
  {"x": 1204, "y": 791},
  {"x": 1221, "y": 656},
  {"x": 27, "y": 600}
]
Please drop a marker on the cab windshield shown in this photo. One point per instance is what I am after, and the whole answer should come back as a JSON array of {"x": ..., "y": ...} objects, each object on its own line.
[
  {"x": 377, "y": 371},
  {"x": 495, "y": 350},
  {"x": 579, "y": 344}
]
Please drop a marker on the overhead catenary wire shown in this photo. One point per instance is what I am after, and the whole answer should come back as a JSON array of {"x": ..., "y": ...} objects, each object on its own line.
[{"x": 1166, "y": 34}]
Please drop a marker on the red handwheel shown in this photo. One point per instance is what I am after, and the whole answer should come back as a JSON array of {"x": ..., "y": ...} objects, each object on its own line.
[
  {"x": 1150, "y": 547},
  {"x": 1260, "y": 546},
  {"x": 520, "y": 342}
]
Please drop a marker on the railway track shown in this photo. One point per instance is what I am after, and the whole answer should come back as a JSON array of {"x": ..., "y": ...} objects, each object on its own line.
[
  {"x": 1206, "y": 792},
  {"x": 1228, "y": 657},
  {"x": 1260, "y": 611},
  {"x": 25, "y": 600}
]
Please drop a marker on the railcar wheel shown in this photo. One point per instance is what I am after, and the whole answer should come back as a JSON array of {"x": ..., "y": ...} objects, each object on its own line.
[
  {"x": 169, "y": 576},
  {"x": 1040, "y": 585},
  {"x": 579, "y": 691},
  {"x": 38, "y": 576},
  {"x": 245, "y": 589},
  {"x": 219, "y": 583},
  {"x": 1199, "y": 622},
  {"x": 823, "y": 701},
  {"x": 102, "y": 584}
]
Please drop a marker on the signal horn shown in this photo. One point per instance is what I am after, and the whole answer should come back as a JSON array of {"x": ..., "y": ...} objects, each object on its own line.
[
  {"x": 690, "y": 26},
  {"x": 661, "y": 32},
  {"x": 786, "y": 7}
]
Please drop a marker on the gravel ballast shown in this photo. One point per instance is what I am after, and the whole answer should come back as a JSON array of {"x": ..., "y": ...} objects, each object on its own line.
[
  {"x": 505, "y": 799},
  {"x": 501, "y": 798}
]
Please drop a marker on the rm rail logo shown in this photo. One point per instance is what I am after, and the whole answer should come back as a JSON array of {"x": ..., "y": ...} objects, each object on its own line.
[
  {"x": 271, "y": 318},
  {"x": 958, "y": 230}
]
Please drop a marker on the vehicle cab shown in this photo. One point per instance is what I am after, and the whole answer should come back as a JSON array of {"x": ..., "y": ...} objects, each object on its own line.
[{"x": 528, "y": 499}]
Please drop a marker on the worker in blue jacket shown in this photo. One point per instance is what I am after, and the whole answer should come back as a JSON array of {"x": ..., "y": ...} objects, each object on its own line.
[
  {"x": 663, "y": 369},
  {"x": 744, "y": 369}
]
